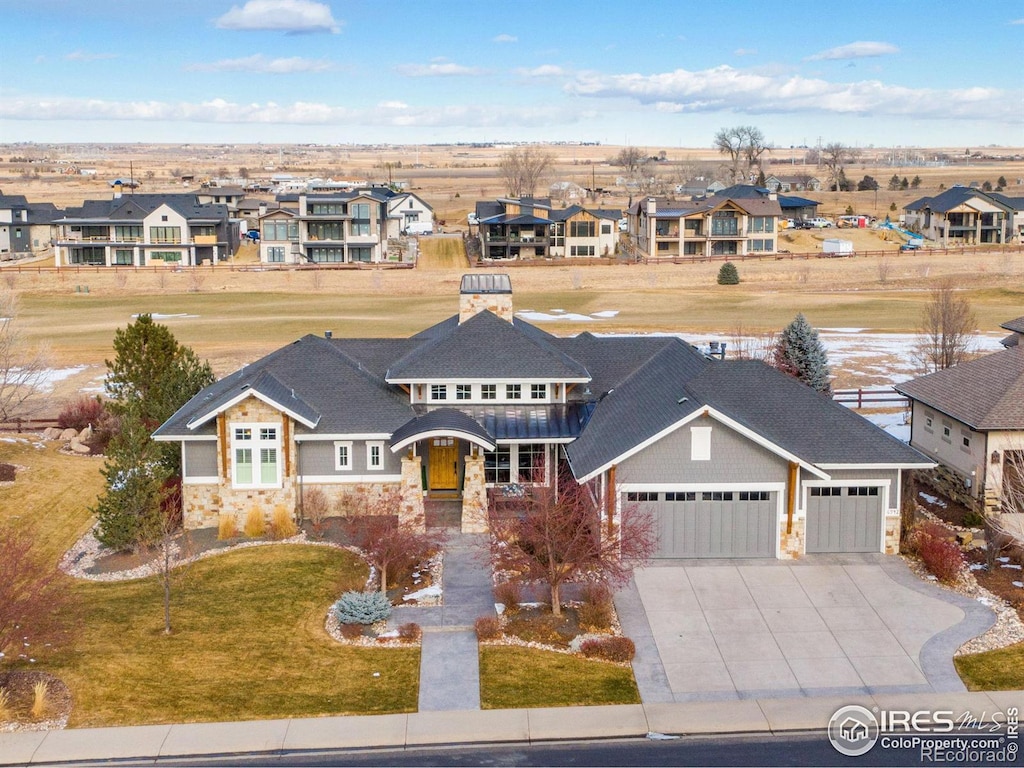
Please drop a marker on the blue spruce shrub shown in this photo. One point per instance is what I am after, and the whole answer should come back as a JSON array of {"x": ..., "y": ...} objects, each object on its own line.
[{"x": 362, "y": 608}]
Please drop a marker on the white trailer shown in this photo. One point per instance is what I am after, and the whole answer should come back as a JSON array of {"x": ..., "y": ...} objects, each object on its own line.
[{"x": 835, "y": 246}]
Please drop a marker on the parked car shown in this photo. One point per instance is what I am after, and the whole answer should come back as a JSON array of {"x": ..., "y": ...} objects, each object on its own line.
[
  {"x": 623, "y": 225},
  {"x": 819, "y": 222}
]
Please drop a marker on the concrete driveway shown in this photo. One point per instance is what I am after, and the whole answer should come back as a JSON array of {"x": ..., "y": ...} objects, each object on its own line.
[{"x": 826, "y": 625}]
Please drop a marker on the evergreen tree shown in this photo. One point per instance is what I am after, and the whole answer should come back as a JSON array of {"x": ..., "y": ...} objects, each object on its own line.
[
  {"x": 728, "y": 274},
  {"x": 151, "y": 376},
  {"x": 915, "y": 182},
  {"x": 799, "y": 353},
  {"x": 894, "y": 183}
]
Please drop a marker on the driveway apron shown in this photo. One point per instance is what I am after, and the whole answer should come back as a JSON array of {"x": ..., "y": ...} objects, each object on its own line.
[{"x": 824, "y": 626}]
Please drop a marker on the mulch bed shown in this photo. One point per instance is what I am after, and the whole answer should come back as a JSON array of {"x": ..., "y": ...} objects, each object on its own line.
[
  {"x": 20, "y": 685},
  {"x": 999, "y": 580}
]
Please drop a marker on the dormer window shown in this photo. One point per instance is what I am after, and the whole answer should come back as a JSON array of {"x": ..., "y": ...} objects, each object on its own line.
[
  {"x": 513, "y": 391},
  {"x": 488, "y": 391},
  {"x": 463, "y": 391},
  {"x": 438, "y": 391},
  {"x": 538, "y": 391}
]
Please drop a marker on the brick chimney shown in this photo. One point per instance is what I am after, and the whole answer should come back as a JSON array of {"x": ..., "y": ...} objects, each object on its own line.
[{"x": 491, "y": 292}]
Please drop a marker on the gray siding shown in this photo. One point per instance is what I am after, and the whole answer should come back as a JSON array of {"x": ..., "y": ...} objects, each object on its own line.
[
  {"x": 848, "y": 475},
  {"x": 200, "y": 459},
  {"x": 316, "y": 457},
  {"x": 734, "y": 459}
]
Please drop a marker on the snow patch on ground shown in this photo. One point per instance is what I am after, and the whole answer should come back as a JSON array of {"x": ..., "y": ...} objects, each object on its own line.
[
  {"x": 51, "y": 376},
  {"x": 935, "y": 500},
  {"x": 560, "y": 314},
  {"x": 431, "y": 591}
]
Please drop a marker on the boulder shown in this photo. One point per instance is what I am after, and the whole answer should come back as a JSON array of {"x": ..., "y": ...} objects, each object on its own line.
[
  {"x": 69, "y": 434},
  {"x": 51, "y": 433},
  {"x": 85, "y": 435},
  {"x": 78, "y": 447}
]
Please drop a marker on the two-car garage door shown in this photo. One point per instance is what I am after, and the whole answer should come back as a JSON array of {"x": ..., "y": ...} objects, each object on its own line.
[{"x": 712, "y": 523}]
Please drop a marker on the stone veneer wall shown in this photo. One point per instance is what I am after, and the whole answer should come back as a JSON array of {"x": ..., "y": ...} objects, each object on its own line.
[
  {"x": 411, "y": 509},
  {"x": 892, "y": 534},
  {"x": 473, "y": 303},
  {"x": 793, "y": 545},
  {"x": 474, "y": 496},
  {"x": 204, "y": 504}
]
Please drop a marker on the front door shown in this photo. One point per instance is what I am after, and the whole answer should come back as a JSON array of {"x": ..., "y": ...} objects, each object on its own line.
[{"x": 444, "y": 464}]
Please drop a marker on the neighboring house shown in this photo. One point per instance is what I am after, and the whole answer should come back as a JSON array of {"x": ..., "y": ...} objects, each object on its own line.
[
  {"x": 793, "y": 184},
  {"x": 970, "y": 418},
  {"x": 567, "y": 190},
  {"x": 699, "y": 187},
  {"x": 1017, "y": 205},
  {"x": 732, "y": 458},
  {"x": 338, "y": 228},
  {"x": 961, "y": 216},
  {"x": 1016, "y": 328},
  {"x": 15, "y": 229},
  {"x": 249, "y": 210},
  {"x": 145, "y": 230},
  {"x": 405, "y": 208},
  {"x": 720, "y": 225},
  {"x": 519, "y": 228},
  {"x": 41, "y": 218},
  {"x": 229, "y": 196}
]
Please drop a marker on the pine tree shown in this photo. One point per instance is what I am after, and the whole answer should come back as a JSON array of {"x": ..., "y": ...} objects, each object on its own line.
[
  {"x": 151, "y": 376},
  {"x": 799, "y": 353},
  {"x": 728, "y": 274}
]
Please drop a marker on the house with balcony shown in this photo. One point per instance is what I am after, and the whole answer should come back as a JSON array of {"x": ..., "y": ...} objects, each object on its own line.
[
  {"x": 532, "y": 228},
  {"x": 731, "y": 458},
  {"x": 145, "y": 230},
  {"x": 720, "y": 225},
  {"x": 961, "y": 216}
]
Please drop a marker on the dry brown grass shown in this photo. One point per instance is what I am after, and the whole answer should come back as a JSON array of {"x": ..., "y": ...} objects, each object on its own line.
[
  {"x": 40, "y": 700},
  {"x": 226, "y": 528}
]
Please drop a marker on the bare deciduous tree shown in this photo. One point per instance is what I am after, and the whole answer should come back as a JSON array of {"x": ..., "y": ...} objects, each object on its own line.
[
  {"x": 524, "y": 168},
  {"x": 835, "y": 156},
  {"x": 742, "y": 144},
  {"x": 389, "y": 545},
  {"x": 553, "y": 534},
  {"x": 947, "y": 329},
  {"x": 22, "y": 369}
]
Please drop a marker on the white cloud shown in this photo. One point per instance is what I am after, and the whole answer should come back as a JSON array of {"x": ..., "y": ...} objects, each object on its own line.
[
  {"x": 544, "y": 70},
  {"x": 86, "y": 56},
  {"x": 260, "y": 63},
  {"x": 437, "y": 69},
  {"x": 859, "y": 50},
  {"x": 292, "y": 16},
  {"x": 1017, "y": 21},
  {"x": 221, "y": 111},
  {"x": 503, "y": 38},
  {"x": 745, "y": 52},
  {"x": 725, "y": 88}
]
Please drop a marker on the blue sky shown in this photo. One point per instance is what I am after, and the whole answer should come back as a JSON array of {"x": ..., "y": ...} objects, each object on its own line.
[{"x": 643, "y": 73}]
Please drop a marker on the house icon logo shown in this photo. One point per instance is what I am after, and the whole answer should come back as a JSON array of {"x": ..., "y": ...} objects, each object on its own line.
[{"x": 853, "y": 730}]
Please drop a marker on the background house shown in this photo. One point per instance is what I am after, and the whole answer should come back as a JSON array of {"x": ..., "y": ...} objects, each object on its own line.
[
  {"x": 514, "y": 228},
  {"x": 961, "y": 216}
]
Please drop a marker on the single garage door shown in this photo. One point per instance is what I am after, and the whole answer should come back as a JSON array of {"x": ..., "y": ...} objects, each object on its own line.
[
  {"x": 847, "y": 519},
  {"x": 712, "y": 523}
]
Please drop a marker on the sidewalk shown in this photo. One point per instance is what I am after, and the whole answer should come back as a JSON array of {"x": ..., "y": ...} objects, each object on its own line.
[{"x": 421, "y": 729}]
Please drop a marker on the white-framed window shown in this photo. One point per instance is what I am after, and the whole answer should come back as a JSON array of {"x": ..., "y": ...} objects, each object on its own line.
[
  {"x": 275, "y": 254},
  {"x": 343, "y": 455},
  {"x": 375, "y": 456},
  {"x": 513, "y": 391},
  {"x": 438, "y": 391},
  {"x": 700, "y": 443},
  {"x": 463, "y": 391},
  {"x": 256, "y": 455},
  {"x": 488, "y": 391},
  {"x": 538, "y": 391}
]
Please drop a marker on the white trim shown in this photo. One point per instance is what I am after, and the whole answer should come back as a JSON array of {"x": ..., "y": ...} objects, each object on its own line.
[
  {"x": 338, "y": 467},
  {"x": 255, "y": 444},
  {"x": 848, "y": 483},
  {"x": 198, "y": 421},
  {"x": 184, "y": 438},
  {"x": 342, "y": 436},
  {"x": 446, "y": 432},
  {"x": 342, "y": 479},
  {"x": 463, "y": 380},
  {"x": 370, "y": 445},
  {"x": 720, "y": 417},
  {"x": 200, "y": 480}
]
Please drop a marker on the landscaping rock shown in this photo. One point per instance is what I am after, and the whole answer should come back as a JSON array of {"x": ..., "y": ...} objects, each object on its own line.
[
  {"x": 69, "y": 434},
  {"x": 78, "y": 447},
  {"x": 964, "y": 538},
  {"x": 51, "y": 433},
  {"x": 85, "y": 435}
]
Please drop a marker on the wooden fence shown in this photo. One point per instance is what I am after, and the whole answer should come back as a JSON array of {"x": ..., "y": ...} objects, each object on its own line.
[
  {"x": 872, "y": 396},
  {"x": 97, "y": 269},
  {"x": 27, "y": 425}
]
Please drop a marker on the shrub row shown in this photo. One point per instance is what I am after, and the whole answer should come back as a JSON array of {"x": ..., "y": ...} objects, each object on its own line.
[{"x": 609, "y": 648}]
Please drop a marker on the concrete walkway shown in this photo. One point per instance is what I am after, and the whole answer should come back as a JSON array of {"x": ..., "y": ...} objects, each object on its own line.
[{"x": 449, "y": 660}]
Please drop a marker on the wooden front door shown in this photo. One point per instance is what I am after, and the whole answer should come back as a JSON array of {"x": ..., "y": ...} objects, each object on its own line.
[{"x": 444, "y": 464}]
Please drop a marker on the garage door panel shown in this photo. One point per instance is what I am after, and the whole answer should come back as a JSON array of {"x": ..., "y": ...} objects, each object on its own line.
[
  {"x": 844, "y": 522},
  {"x": 712, "y": 529}
]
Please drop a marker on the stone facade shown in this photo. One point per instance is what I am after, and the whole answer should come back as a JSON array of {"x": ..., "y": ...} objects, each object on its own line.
[
  {"x": 474, "y": 496},
  {"x": 892, "y": 534},
  {"x": 794, "y": 544},
  {"x": 411, "y": 510},
  {"x": 498, "y": 303}
]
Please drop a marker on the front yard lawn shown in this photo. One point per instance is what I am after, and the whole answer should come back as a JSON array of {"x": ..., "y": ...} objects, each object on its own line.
[
  {"x": 999, "y": 670},
  {"x": 248, "y": 642},
  {"x": 513, "y": 677}
]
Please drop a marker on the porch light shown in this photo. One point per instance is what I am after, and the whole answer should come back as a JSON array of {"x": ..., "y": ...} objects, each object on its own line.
[{"x": 995, "y": 457}]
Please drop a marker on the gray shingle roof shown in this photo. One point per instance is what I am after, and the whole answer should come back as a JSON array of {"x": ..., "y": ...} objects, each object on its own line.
[
  {"x": 953, "y": 198},
  {"x": 446, "y": 419},
  {"x": 986, "y": 393},
  {"x": 1016, "y": 325},
  {"x": 487, "y": 347}
]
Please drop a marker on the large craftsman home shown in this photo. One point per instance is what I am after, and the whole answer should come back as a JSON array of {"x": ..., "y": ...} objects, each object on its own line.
[{"x": 732, "y": 458}]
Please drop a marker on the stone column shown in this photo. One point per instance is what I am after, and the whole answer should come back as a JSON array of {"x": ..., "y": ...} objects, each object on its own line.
[
  {"x": 474, "y": 496},
  {"x": 792, "y": 545},
  {"x": 411, "y": 510},
  {"x": 892, "y": 534}
]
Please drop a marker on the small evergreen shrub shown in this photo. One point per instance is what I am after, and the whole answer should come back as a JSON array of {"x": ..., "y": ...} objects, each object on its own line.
[
  {"x": 487, "y": 628},
  {"x": 362, "y": 608},
  {"x": 609, "y": 648},
  {"x": 728, "y": 274},
  {"x": 410, "y": 633},
  {"x": 255, "y": 525},
  {"x": 507, "y": 593}
]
